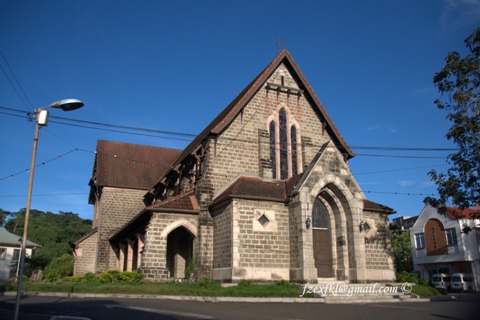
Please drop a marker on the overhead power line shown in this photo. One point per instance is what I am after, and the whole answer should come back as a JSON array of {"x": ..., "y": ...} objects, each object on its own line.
[
  {"x": 190, "y": 135},
  {"x": 405, "y": 157},
  {"x": 39, "y": 164},
  {"x": 127, "y": 127},
  {"x": 401, "y": 148},
  {"x": 15, "y": 83}
]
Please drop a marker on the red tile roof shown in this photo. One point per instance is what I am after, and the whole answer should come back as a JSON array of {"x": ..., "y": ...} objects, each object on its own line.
[
  {"x": 133, "y": 166},
  {"x": 182, "y": 203},
  {"x": 469, "y": 213},
  {"x": 253, "y": 189}
]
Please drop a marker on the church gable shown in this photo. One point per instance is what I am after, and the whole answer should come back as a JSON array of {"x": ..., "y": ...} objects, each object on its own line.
[{"x": 272, "y": 129}]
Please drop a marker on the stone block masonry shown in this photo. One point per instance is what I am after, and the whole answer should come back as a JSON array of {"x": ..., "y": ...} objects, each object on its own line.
[{"x": 117, "y": 207}]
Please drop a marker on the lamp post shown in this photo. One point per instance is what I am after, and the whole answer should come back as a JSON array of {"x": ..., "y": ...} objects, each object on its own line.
[{"x": 41, "y": 120}]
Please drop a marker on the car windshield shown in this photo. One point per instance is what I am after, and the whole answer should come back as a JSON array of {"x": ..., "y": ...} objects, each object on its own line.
[
  {"x": 437, "y": 279},
  {"x": 456, "y": 279}
]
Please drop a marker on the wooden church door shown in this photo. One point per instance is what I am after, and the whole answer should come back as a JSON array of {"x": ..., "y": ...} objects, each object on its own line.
[{"x": 322, "y": 240}]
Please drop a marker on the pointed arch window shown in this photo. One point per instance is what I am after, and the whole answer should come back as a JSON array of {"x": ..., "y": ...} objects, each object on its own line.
[
  {"x": 293, "y": 139},
  {"x": 273, "y": 154},
  {"x": 284, "y": 145},
  {"x": 282, "y": 119}
]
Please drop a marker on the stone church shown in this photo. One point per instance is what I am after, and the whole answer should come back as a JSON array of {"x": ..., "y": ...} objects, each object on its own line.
[{"x": 264, "y": 192}]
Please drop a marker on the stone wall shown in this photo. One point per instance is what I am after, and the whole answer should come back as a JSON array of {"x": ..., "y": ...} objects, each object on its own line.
[
  {"x": 117, "y": 207},
  {"x": 222, "y": 237},
  {"x": 251, "y": 241},
  {"x": 378, "y": 247},
  {"x": 263, "y": 246},
  {"x": 85, "y": 255},
  {"x": 154, "y": 254}
]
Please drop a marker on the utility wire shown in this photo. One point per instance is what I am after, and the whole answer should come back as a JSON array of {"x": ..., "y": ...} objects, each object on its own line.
[
  {"x": 23, "y": 96},
  {"x": 405, "y": 157},
  {"x": 27, "y": 116},
  {"x": 193, "y": 136},
  {"x": 401, "y": 148},
  {"x": 39, "y": 164},
  {"x": 125, "y": 127},
  {"x": 83, "y": 193},
  {"x": 119, "y": 131}
]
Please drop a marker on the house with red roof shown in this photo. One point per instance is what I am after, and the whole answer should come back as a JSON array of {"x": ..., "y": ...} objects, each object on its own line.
[
  {"x": 447, "y": 242},
  {"x": 264, "y": 192}
]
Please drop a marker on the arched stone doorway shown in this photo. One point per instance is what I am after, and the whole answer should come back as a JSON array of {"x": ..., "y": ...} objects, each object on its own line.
[
  {"x": 179, "y": 252},
  {"x": 331, "y": 236},
  {"x": 322, "y": 240}
]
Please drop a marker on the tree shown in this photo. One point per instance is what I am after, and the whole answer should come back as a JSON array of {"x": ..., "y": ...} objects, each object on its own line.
[
  {"x": 5, "y": 216},
  {"x": 54, "y": 232},
  {"x": 402, "y": 251},
  {"x": 458, "y": 83}
]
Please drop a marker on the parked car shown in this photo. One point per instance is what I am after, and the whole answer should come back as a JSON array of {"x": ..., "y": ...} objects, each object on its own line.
[
  {"x": 441, "y": 281},
  {"x": 462, "y": 282}
]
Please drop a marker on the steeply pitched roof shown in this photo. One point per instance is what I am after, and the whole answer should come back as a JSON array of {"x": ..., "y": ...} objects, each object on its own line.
[
  {"x": 233, "y": 109},
  {"x": 9, "y": 239},
  {"x": 133, "y": 166}
]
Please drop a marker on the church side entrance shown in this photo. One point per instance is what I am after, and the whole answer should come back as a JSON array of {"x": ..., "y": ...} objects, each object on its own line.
[
  {"x": 179, "y": 252},
  {"x": 322, "y": 240}
]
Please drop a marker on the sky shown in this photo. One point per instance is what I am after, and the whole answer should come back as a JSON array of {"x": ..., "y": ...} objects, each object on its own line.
[{"x": 174, "y": 65}]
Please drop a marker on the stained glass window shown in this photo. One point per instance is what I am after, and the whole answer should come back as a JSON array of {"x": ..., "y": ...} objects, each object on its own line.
[
  {"x": 282, "y": 119},
  {"x": 273, "y": 156},
  {"x": 293, "y": 140}
]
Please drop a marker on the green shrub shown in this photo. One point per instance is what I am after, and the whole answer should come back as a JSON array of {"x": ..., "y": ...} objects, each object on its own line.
[
  {"x": 405, "y": 276},
  {"x": 208, "y": 283},
  {"x": 59, "y": 267},
  {"x": 191, "y": 268},
  {"x": 90, "y": 277},
  {"x": 74, "y": 279},
  {"x": 52, "y": 276},
  {"x": 111, "y": 276},
  {"x": 116, "y": 276},
  {"x": 131, "y": 277},
  {"x": 286, "y": 284},
  {"x": 246, "y": 283}
]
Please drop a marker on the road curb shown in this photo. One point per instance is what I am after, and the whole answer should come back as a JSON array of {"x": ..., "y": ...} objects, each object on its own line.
[
  {"x": 168, "y": 297},
  {"x": 202, "y": 299}
]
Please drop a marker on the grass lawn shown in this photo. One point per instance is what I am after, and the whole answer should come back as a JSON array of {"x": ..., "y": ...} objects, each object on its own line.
[
  {"x": 114, "y": 282},
  {"x": 426, "y": 291},
  {"x": 206, "y": 288}
]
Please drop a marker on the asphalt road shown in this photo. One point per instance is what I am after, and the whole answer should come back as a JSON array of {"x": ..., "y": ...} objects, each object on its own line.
[{"x": 54, "y": 308}]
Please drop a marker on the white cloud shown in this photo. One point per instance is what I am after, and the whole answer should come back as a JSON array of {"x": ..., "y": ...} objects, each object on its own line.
[
  {"x": 381, "y": 127},
  {"x": 457, "y": 13},
  {"x": 405, "y": 183}
]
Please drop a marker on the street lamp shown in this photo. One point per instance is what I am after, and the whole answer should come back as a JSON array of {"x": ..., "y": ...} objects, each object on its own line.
[{"x": 41, "y": 120}]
